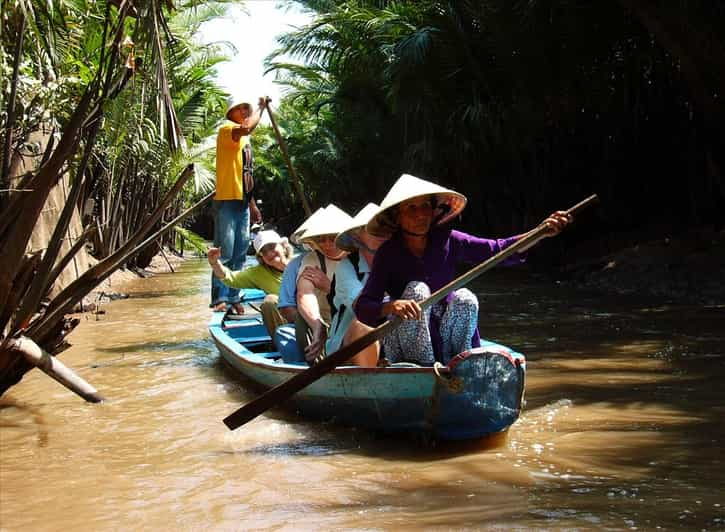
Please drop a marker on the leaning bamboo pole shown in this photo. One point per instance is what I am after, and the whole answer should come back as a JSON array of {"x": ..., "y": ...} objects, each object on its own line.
[{"x": 51, "y": 366}]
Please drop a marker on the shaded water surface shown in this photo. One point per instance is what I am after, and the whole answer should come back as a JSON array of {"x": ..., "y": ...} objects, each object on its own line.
[{"x": 622, "y": 429}]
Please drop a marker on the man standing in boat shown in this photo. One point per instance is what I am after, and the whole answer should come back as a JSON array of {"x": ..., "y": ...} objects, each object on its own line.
[{"x": 234, "y": 203}]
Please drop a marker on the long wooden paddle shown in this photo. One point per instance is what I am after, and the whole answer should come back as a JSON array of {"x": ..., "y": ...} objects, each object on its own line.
[
  {"x": 283, "y": 391},
  {"x": 285, "y": 153}
]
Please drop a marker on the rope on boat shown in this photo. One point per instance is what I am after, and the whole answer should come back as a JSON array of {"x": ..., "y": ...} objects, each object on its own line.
[{"x": 453, "y": 384}]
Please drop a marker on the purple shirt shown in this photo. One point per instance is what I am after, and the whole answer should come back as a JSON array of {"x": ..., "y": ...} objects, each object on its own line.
[{"x": 394, "y": 267}]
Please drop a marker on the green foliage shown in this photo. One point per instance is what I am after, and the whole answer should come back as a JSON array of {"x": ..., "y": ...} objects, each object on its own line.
[
  {"x": 524, "y": 106},
  {"x": 191, "y": 240}
]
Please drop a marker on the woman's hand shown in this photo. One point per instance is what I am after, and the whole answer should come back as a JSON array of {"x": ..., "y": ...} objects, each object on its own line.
[
  {"x": 407, "y": 309},
  {"x": 556, "y": 222},
  {"x": 318, "y": 278},
  {"x": 213, "y": 255}
]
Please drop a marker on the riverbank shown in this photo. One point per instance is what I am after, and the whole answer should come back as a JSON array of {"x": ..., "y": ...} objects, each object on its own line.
[
  {"x": 686, "y": 268},
  {"x": 115, "y": 286}
]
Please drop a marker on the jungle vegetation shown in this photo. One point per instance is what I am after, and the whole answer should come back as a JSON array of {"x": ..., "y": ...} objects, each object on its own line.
[{"x": 524, "y": 106}]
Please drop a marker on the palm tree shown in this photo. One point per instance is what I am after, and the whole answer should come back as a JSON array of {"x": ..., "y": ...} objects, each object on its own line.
[
  {"x": 523, "y": 104},
  {"x": 121, "y": 136}
]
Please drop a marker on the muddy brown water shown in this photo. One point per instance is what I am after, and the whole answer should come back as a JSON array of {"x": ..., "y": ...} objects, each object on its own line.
[{"x": 622, "y": 429}]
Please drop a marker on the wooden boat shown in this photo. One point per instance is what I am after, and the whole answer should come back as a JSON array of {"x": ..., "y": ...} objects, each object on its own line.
[{"x": 480, "y": 392}]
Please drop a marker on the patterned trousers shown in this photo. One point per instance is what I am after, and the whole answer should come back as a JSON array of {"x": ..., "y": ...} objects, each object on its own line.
[{"x": 411, "y": 341}]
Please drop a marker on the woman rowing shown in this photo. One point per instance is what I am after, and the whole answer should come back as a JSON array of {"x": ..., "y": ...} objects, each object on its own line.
[{"x": 419, "y": 258}]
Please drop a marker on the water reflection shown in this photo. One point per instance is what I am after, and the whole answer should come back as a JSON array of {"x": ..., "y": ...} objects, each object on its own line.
[{"x": 622, "y": 429}]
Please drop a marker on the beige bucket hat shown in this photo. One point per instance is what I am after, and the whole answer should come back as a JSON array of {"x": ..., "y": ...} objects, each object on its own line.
[
  {"x": 330, "y": 222},
  {"x": 345, "y": 239},
  {"x": 297, "y": 233},
  {"x": 449, "y": 203}
]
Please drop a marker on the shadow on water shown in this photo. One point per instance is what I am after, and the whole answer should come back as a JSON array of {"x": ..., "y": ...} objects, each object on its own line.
[
  {"x": 35, "y": 414},
  {"x": 180, "y": 292},
  {"x": 203, "y": 344}
]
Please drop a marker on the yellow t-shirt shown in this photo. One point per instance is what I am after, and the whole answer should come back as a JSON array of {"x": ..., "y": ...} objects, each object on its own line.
[{"x": 229, "y": 164}]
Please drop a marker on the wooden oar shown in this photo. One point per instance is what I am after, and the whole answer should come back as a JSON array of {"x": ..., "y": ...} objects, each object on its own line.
[
  {"x": 285, "y": 153},
  {"x": 283, "y": 391}
]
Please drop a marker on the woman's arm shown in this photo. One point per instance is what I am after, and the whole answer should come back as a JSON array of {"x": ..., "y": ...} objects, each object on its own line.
[
  {"x": 213, "y": 255},
  {"x": 471, "y": 249}
]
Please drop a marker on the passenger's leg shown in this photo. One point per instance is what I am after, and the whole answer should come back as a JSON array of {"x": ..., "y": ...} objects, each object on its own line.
[
  {"x": 411, "y": 341},
  {"x": 368, "y": 357},
  {"x": 284, "y": 339},
  {"x": 458, "y": 323},
  {"x": 270, "y": 315}
]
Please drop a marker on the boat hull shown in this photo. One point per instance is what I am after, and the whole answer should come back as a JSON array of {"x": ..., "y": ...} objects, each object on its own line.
[{"x": 479, "y": 393}]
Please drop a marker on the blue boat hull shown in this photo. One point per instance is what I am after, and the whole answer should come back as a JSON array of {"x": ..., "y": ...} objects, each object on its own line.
[{"x": 479, "y": 393}]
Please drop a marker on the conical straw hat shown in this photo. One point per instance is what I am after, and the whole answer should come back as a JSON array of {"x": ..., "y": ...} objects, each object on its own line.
[
  {"x": 330, "y": 222},
  {"x": 449, "y": 203},
  {"x": 297, "y": 233},
  {"x": 344, "y": 240}
]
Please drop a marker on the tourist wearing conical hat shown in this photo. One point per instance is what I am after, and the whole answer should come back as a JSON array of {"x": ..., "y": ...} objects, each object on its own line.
[
  {"x": 234, "y": 203},
  {"x": 350, "y": 276},
  {"x": 285, "y": 336},
  {"x": 421, "y": 257},
  {"x": 315, "y": 276},
  {"x": 288, "y": 290}
]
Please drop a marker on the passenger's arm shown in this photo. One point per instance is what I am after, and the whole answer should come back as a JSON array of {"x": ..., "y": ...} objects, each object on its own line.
[
  {"x": 307, "y": 304},
  {"x": 309, "y": 309},
  {"x": 213, "y": 255},
  {"x": 238, "y": 279},
  {"x": 318, "y": 278}
]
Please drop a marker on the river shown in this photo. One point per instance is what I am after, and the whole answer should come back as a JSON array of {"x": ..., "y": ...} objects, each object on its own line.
[{"x": 622, "y": 428}]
